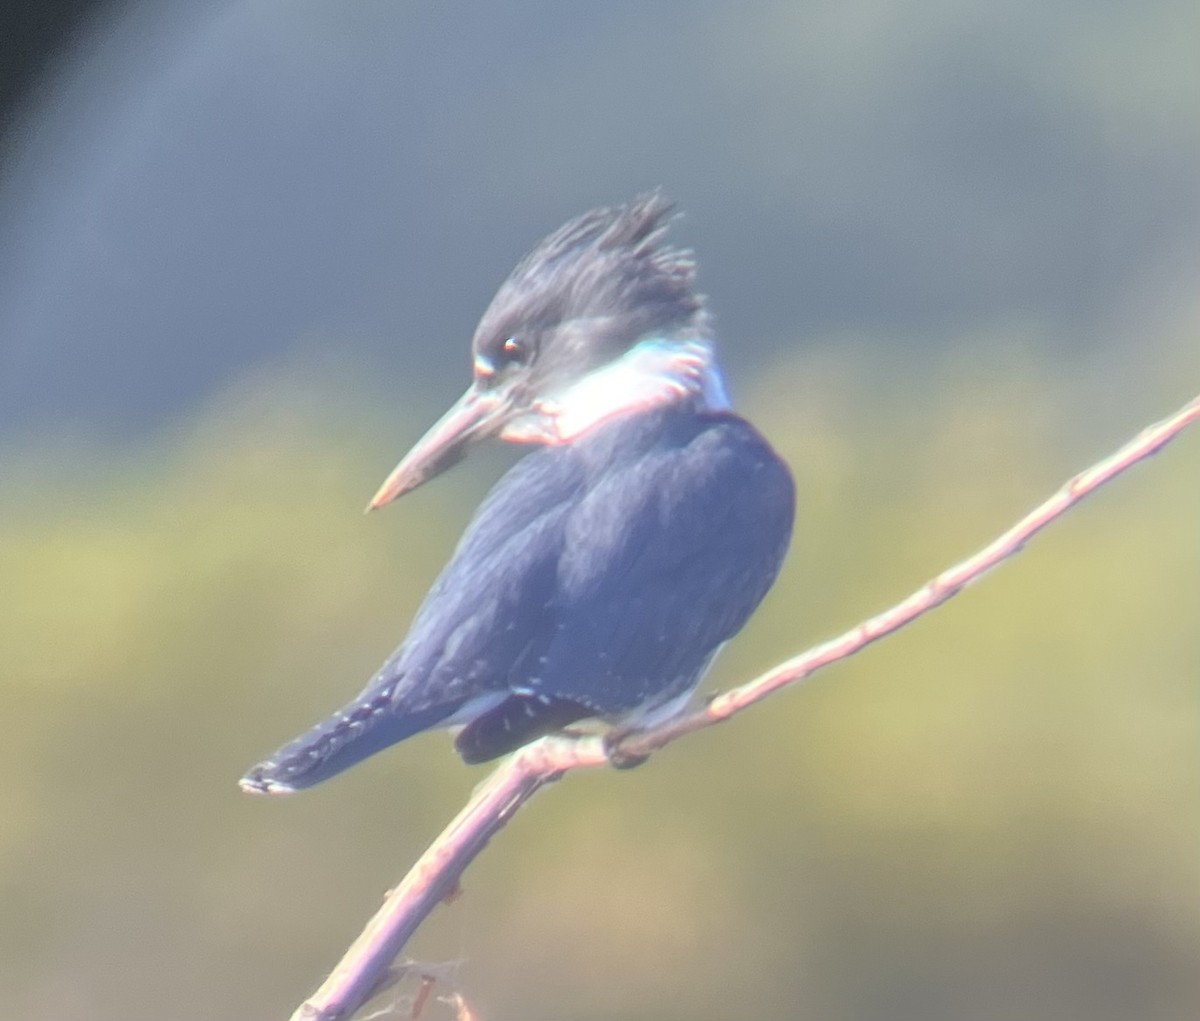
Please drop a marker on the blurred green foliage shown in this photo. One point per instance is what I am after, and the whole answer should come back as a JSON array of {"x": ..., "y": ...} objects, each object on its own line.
[{"x": 994, "y": 814}]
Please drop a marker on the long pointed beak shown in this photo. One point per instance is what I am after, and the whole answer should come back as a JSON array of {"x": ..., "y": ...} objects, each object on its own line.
[{"x": 474, "y": 416}]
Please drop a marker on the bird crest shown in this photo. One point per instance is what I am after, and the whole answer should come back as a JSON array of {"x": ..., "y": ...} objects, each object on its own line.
[{"x": 610, "y": 269}]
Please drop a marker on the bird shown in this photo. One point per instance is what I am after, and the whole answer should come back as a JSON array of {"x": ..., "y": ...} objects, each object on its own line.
[{"x": 605, "y": 570}]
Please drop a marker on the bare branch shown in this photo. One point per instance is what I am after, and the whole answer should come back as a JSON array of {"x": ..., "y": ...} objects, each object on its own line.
[{"x": 518, "y": 778}]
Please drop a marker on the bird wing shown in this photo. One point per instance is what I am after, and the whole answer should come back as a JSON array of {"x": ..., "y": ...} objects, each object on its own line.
[
  {"x": 487, "y": 615},
  {"x": 661, "y": 563},
  {"x": 608, "y": 586}
]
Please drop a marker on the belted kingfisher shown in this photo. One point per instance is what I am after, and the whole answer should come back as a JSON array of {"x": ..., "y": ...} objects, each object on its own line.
[{"x": 605, "y": 570}]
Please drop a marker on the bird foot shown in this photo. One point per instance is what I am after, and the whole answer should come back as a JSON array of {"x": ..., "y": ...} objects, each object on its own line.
[{"x": 617, "y": 757}]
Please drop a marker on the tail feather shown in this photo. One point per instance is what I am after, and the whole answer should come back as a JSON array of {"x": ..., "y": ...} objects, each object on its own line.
[{"x": 348, "y": 736}]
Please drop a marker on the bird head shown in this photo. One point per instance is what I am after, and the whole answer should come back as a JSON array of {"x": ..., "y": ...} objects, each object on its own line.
[{"x": 600, "y": 319}]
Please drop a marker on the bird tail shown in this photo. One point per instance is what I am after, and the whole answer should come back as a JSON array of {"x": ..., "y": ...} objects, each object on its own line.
[{"x": 362, "y": 728}]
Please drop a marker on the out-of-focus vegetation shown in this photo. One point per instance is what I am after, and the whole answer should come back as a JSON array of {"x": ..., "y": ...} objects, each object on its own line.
[{"x": 993, "y": 814}]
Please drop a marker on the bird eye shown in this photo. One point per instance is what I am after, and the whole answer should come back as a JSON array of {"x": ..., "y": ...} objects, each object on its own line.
[
  {"x": 500, "y": 358},
  {"x": 513, "y": 350}
]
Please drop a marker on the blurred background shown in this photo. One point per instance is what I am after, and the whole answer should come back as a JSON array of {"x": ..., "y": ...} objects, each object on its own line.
[{"x": 954, "y": 251}]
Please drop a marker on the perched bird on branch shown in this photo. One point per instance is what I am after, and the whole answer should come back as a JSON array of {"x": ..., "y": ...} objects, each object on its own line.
[{"x": 603, "y": 572}]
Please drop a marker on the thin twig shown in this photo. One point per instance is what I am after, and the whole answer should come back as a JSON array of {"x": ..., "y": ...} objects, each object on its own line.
[{"x": 518, "y": 778}]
